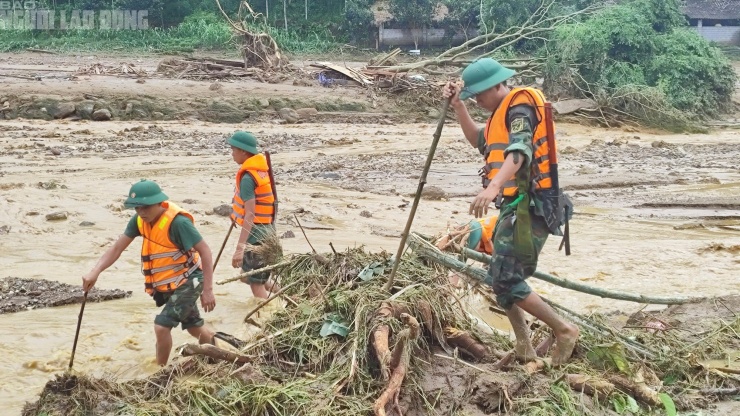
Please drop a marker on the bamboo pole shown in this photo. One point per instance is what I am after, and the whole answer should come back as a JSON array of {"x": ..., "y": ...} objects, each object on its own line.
[
  {"x": 254, "y": 272},
  {"x": 591, "y": 290},
  {"x": 420, "y": 188},
  {"x": 427, "y": 250}
]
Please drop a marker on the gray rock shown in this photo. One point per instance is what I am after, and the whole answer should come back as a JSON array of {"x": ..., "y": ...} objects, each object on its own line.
[
  {"x": 264, "y": 102},
  {"x": 432, "y": 112},
  {"x": 289, "y": 115},
  {"x": 288, "y": 234},
  {"x": 56, "y": 216},
  {"x": 366, "y": 214},
  {"x": 85, "y": 109},
  {"x": 87, "y": 224},
  {"x": 329, "y": 175},
  {"x": 5, "y": 229},
  {"x": 101, "y": 115},
  {"x": 157, "y": 115},
  {"x": 62, "y": 110},
  {"x": 223, "y": 210}
]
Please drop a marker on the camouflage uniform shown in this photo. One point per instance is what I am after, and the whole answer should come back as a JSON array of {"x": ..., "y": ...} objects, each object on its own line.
[
  {"x": 506, "y": 274},
  {"x": 181, "y": 306}
]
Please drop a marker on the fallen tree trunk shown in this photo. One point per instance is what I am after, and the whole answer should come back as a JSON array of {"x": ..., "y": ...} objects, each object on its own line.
[
  {"x": 591, "y": 290},
  {"x": 539, "y": 23}
]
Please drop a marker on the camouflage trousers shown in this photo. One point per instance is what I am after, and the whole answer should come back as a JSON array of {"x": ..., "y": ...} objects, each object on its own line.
[
  {"x": 252, "y": 262},
  {"x": 506, "y": 274},
  {"x": 181, "y": 306}
]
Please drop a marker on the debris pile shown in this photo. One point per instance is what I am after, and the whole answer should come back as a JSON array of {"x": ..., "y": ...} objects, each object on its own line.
[
  {"x": 19, "y": 294},
  {"x": 345, "y": 346},
  {"x": 100, "y": 69}
]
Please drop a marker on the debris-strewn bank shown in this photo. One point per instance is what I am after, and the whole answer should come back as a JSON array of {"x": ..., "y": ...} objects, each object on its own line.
[
  {"x": 343, "y": 346},
  {"x": 18, "y": 294}
]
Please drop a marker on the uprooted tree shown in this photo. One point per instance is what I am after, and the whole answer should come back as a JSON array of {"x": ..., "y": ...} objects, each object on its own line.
[
  {"x": 258, "y": 48},
  {"x": 637, "y": 60}
]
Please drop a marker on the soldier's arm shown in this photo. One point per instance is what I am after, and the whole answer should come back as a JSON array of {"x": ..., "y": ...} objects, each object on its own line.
[{"x": 106, "y": 260}]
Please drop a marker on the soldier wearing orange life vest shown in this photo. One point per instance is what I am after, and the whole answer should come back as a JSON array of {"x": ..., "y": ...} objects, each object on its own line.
[
  {"x": 480, "y": 235},
  {"x": 253, "y": 209},
  {"x": 514, "y": 146},
  {"x": 176, "y": 263}
]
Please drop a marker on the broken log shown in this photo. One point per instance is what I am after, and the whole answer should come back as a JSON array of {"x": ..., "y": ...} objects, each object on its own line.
[
  {"x": 592, "y": 386},
  {"x": 214, "y": 352},
  {"x": 640, "y": 392},
  {"x": 401, "y": 357},
  {"x": 465, "y": 342}
]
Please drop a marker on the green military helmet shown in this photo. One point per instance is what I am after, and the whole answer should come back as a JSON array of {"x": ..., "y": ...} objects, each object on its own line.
[
  {"x": 144, "y": 193},
  {"x": 476, "y": 233},
  {"x": 244, "y": 140},
  {"x": 483, "y": 74}
]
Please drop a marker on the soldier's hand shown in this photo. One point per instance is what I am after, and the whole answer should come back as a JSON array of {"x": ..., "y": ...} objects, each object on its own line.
[
  {"x": 237, "y": 258},
  {"x": 207, "y": 300},
  {"x": 88, "y": 281},
  {"x": 479, "y": 206},
  {"x": 451, "y": 90}
]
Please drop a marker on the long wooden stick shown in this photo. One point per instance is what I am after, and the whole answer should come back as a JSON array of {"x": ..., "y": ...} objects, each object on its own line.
[
  {"x": 231, "y": 227},
  {"x": 591, "y": 290},
  {"x": 77, "y": 333},
  {"x": 304, "y": 233},
  {"x": 268, "y": 300},
  {"x": 254, "y": 272},
  {"x": 417, "y": 197}
]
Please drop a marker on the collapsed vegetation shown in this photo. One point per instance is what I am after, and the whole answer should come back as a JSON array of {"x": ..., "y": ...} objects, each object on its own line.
[{"x": 344, "y": 346}]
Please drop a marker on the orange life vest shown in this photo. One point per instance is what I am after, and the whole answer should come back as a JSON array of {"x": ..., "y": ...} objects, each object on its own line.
[
  {"x": 497, "y": 140},
  {"x": 264, "y": 199},
  {"x": 164, "y": 265},
  {"x": 487, "y": 227}
]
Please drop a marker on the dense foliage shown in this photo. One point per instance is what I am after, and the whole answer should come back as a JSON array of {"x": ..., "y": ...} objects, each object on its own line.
[{"x": 641, "y": 49}]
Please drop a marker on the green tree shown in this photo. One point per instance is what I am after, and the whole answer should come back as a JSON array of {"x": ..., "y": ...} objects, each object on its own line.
[{"x": 638, "y": 56}]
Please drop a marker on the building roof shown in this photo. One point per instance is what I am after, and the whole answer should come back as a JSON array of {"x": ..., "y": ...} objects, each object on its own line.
[{"x": 712, "y": 9}]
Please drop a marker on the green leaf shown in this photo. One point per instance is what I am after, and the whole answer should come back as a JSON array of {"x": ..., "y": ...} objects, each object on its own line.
[
  {"x": 670, "y": 379},
  {"x": 609, "y": 355},
  {"x": 619, "y": 403},
  {"x": 670, "y": 407},
  {"x": 632, "y": 405},
  {"x": 373, "y": 269}
]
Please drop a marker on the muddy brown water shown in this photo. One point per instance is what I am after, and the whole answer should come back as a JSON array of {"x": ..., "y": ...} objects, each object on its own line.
[{"x": 655, "y": 220}]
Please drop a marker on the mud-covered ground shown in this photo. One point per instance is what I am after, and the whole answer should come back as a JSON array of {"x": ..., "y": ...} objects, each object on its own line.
[
  {"x": 656, "y": 213},
  {"x": 17, "y": 294}
]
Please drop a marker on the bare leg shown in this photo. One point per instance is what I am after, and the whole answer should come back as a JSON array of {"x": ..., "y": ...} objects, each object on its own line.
[
  {"x": 566, "y": 334},
  {"x": 271, "y": 286},
  {"x": 164, "y": 343},
  {"x": 523, "y": 347},
  {"x": 202, "y": 334},
  {"x": 258, "y": 290}
]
